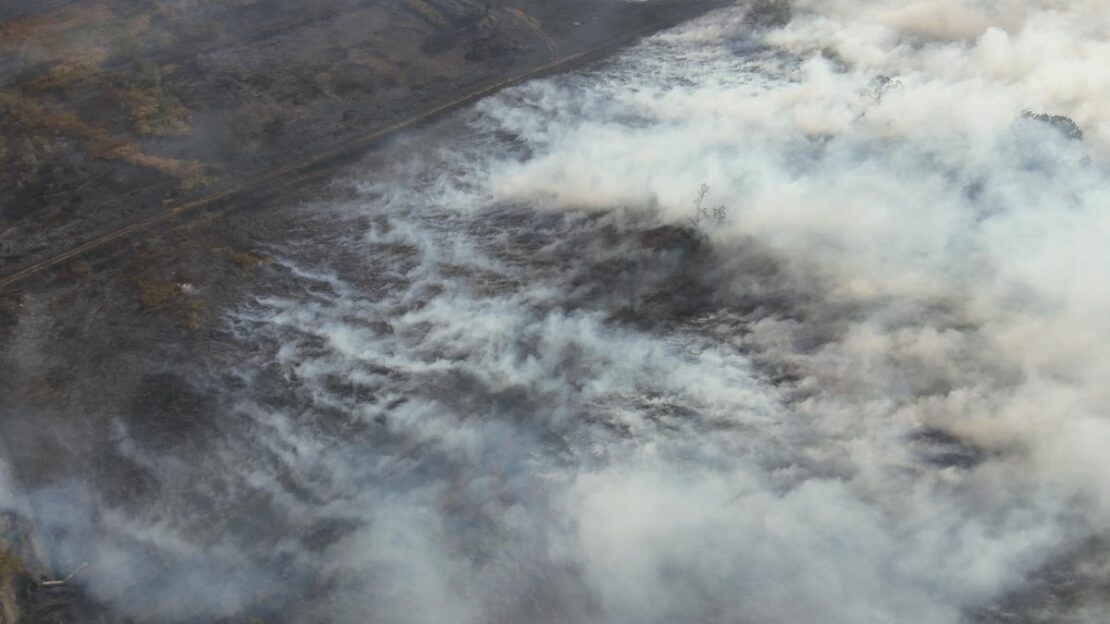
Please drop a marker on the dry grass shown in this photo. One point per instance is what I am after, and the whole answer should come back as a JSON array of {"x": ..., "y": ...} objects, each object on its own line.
[
  {"x": 11, "y": 564},
  {"x": 77, "y": 35},
  {"x": 169, "y": 298},
  {"x": 245, "y": 260},
  {"x": 428, "y": 12},
  {"x": 154, "y": 295},
  {"x": 155, "y": 112},
  {"x": 36, "y": 117},
  {"x": 67, "y": 73},
  {"x": 191, "y": 173},
  {"x": 72, "y": 43},
  {"x": 161, "y": 290},
  {"x": 51, "y": 26},
  {"x": 194, "y": 314}
]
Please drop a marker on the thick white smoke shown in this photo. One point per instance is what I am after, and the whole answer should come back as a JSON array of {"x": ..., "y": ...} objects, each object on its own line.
[
  {"x": 957, "y": 251},
  {"x": 873, "y": 394}
]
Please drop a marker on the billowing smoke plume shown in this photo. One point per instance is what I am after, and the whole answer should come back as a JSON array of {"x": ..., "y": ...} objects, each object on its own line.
[{"x": 515, "y": 383}]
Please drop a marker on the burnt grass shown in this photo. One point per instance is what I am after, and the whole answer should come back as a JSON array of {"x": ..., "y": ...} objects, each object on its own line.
[{"x": 115, "y": 110}]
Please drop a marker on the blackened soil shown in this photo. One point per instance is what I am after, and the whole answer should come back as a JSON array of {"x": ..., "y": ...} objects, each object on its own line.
[{"x": 114, "y": 110}]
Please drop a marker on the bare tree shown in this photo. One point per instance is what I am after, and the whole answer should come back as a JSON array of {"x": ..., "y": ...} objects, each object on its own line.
[
  {"x": 879, "y": 87},
  {"x": 717, "y": 214}
]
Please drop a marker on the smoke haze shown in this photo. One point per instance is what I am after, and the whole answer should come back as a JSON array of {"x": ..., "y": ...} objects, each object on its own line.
[{"x": 504, "y": 379}]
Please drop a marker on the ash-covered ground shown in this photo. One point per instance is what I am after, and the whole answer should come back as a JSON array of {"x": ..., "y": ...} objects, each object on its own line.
[
  {"x": 115, "y": 110},
  {"x": 777, "y": 316}
]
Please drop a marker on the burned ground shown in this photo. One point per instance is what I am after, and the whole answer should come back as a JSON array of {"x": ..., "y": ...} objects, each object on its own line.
[
  {"x": 115, "y": 110},
  {"x": 503, "y": 367}
]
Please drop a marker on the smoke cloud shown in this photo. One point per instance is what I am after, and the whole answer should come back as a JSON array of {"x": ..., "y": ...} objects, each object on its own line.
[{"x": 518, "y": 386}]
